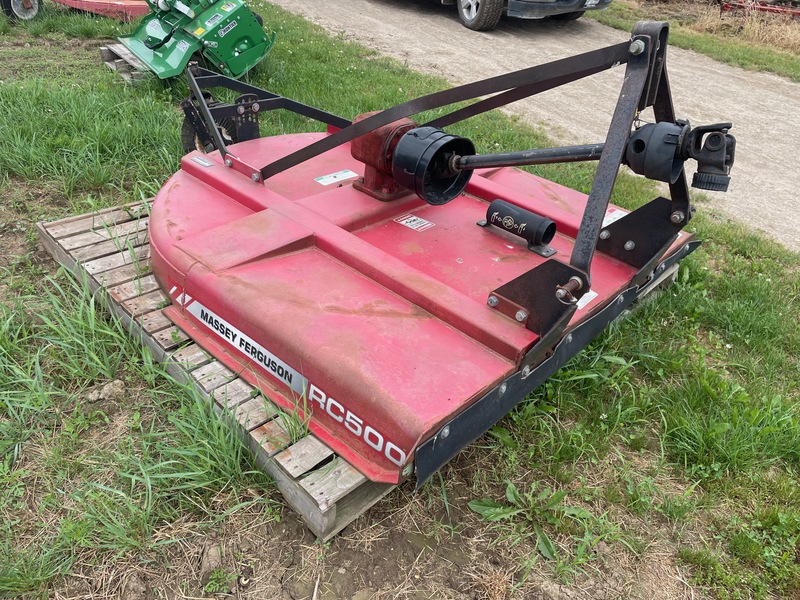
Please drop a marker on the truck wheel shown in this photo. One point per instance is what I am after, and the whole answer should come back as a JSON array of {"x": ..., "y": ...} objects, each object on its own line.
[
  {"x": 480, "y": 15},
  {"x": 20, "y": 10},
  {"x": 570, "y": 16}
]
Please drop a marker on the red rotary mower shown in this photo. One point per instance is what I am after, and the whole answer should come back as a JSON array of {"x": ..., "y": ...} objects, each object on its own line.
[{"x": 401, "y": 291}]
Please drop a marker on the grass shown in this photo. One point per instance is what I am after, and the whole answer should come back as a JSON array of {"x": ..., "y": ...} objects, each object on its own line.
[
  {"x": 675, "y": 434},
  {"x": 174, "y": 458},
  {"x": 756, "y": 41}
]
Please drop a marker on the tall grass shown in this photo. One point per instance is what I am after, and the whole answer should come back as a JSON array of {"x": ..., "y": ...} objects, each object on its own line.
[
  {"x": 87, "y": 138},
  {"x": 753, "y": 40},
  {"x": 182, "y": 459},
  {"x": 752, "y": 26}
]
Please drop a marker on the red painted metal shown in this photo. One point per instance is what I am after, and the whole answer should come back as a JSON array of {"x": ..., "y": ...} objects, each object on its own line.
[
  {"x": 375, "y": 149},
  {"x": 369, "y": 316},
  {"x": 124, "y": 10}
]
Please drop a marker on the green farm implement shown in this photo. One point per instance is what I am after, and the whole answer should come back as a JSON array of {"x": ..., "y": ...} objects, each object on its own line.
[{"x": 225, "y": 33}]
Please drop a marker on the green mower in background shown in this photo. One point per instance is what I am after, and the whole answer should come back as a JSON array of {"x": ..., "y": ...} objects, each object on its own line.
[{"x": 226, "y": 33}]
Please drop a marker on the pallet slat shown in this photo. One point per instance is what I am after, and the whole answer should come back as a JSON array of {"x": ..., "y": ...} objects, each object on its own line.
[
  {"x": 234, "y": 393},
  {"x": 121, "y": 232},
  {"x": 134, "y": 288},
  {"x": 326, "y": 491},
  {"x": 118, "y": 58},
  {"x": 303, "y": 456}
]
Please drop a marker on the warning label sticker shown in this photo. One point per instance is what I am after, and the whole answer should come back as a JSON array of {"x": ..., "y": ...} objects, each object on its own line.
[
  {"x": 586, "y": 298},
  {"x": 336, "y": 177},
  {"x": 613, "y": 214},
  {"x": 216, "y": 18},
  {"x": 202, "y": 161},
  {"x": 413, "y": 222}
]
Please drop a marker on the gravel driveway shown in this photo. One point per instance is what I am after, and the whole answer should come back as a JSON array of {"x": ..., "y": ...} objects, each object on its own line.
[{"x": 764, "y": 108}]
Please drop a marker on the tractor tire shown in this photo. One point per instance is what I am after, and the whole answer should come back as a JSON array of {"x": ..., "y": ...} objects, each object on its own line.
[
  {"x": 20, "y": 10},
  {"x": 480, "y": 15},
  {"x": 191, "y": 141},
  {"x": 570, "y": 16}
]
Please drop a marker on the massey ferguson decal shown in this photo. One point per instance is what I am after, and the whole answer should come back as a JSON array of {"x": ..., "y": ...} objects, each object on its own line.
[
  {"x": 246, "y": 345},
  {"x": 295, "y": 380}
]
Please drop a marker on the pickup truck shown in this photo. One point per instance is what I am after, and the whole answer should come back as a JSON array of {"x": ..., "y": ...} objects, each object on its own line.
[{"x": 483, "y": 15}]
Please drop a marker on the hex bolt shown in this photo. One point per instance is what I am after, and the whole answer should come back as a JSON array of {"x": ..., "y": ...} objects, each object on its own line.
[
  {"x": 256, "y": 177},
  {"x": 629, "y": 245},
  {"x": 492, "y": 301},
  {"x": 240, "y": 109},
  {"x": 568, "y": 339},
  {"x": 445, "y": 431},
  {"x": 605, "y": 234},
  {"x": 521, "y": 315},
  {"x": 503, "y": 388},
  {"x": 526, "y": 371},
  {"x": 256, "y": 107},
  {"x": 620, "y": 300},
  {"x": 636, "y": 47},
  {"x": 228, "y": 162},
  {"x": 677, "y": 217}
]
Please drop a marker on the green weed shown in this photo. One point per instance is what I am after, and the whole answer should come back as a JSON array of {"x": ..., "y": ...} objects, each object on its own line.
[
  {"x": 220, "y": 581},
  {"x": 531, "y": 514}
]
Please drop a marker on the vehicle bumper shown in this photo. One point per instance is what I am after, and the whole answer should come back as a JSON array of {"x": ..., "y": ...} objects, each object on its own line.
[{"x": 528, "y": 9}]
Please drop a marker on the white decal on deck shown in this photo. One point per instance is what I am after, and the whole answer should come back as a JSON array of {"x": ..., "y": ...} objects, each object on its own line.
[
  {"x": 248, "y": 346},
  {"x": 202, "y": 161},
  {"x": 336, "y": 177},
  {"x": 227, "y": 29},
  {"x": 586, "y": 298},
  {"x": 292, "y": 378},
  {"x": 613, "y": 214},
  {"x": 413, "y": 222},
  {"x": 355, "y": 425}
]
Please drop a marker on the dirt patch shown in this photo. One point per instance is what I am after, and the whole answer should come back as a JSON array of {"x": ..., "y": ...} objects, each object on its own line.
[
  {"x": 22, "y": 206},
  {"x": 65, "y": 56},
  {"x": 429, "y": 38},
  {"x": 410, "y": 546}
]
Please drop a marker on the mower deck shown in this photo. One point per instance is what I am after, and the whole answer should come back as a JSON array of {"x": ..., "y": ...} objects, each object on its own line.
[
  {"x": 124, "y": 10},
  {"x": 399, "y": 292},
  {"x": 372, "y": 314}
]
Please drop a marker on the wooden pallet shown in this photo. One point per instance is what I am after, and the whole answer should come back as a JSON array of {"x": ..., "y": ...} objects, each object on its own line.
[
  {"x": 109, "y": 251},
  {"x": 118, "y": 58}
]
